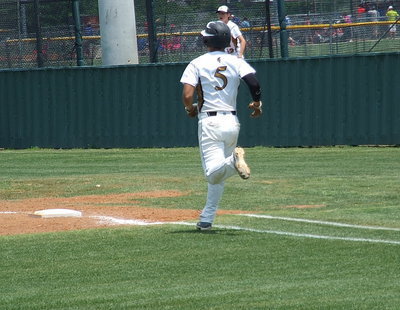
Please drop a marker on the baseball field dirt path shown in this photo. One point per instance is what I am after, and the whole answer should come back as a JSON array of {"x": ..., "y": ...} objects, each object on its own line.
[{"x": 17, "y": 216}]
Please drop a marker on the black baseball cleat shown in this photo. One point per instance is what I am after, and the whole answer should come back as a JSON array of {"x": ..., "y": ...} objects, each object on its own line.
[{"x": 203, "y": 226}]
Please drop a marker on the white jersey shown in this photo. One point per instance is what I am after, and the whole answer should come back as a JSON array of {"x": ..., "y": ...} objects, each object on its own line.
[
  {"x": 235, "y": 33},
  {"x": 216, "y": 75}
]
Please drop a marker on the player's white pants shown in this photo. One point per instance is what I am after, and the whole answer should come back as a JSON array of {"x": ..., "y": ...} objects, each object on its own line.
[{"x": 218, "y": 137}]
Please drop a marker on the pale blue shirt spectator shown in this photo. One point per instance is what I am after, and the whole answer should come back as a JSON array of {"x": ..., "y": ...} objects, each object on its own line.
[{"x": 245, "y": 23}]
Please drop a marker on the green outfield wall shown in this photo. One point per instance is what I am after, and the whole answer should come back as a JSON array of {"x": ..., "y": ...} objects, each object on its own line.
[{"x": 340, "y": 100}]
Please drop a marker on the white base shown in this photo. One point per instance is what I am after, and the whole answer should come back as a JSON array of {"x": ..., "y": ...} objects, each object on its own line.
[{"x": 58, "y": 213}]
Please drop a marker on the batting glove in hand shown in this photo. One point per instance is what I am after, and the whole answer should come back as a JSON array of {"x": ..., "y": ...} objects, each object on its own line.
[
  {"x": 193, "y": 111},
  {"x": 256, "y": 106}
]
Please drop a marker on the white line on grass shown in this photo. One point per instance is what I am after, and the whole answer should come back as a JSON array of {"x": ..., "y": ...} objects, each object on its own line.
[
  {"x": 319, "y": 222},
  {"x": 118, "y": 221},
  {"x": 109, "y": 220},
  {"x": 285, "y": 233},
  {"x": 114, "y": 221}
]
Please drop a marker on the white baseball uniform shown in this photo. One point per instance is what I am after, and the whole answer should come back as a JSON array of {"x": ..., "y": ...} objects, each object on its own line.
[
  {"x": 235, "y": 33},
  {"x": 216, "y": 75}
]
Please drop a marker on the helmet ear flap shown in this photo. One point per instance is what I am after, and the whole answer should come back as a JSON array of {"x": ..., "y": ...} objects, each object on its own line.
[{"x": 206, "y": 41}]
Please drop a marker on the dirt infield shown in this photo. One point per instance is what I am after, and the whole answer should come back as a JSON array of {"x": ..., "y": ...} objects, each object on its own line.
[{"x": 17, "y": 216}]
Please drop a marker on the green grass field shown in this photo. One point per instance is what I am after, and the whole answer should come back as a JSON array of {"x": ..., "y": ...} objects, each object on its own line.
[{"x": 292, "y": 259}]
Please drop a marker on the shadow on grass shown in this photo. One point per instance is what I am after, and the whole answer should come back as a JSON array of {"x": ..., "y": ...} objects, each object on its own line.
[{"x": 227, "y": 232}]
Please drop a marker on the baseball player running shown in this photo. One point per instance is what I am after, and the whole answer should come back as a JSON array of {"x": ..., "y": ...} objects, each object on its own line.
[{"x": 216, "y": 77}]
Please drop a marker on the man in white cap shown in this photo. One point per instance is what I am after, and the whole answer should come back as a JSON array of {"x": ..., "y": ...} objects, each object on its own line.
[
  {"x": 392, "y": 16},
  {"x": 238, "y": 43}
]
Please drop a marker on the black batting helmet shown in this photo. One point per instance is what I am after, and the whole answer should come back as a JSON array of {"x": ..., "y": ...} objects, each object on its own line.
[{"x": 217, "y": 34}]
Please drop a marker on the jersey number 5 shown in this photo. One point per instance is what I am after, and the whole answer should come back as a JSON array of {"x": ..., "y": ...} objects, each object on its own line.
[{"x": 219, "y": 75}]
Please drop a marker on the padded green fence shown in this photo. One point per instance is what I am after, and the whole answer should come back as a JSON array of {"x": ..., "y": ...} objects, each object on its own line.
[{"x": 342, "y": 100}]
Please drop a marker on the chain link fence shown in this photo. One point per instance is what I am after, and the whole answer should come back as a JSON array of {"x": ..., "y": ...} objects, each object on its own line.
[
  {"x": 314, "y": 27},
  {"x": 22, "y": 22}
]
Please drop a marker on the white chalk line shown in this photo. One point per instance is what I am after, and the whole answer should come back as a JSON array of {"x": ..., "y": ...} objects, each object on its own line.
[
  {"x": 319, "y": 222},
  {"x": 286, "y": 233},
  {"x": 109, "y": 220}
]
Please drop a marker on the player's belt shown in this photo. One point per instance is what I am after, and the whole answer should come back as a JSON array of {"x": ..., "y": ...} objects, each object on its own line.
[{"x": 214, "y": 113}]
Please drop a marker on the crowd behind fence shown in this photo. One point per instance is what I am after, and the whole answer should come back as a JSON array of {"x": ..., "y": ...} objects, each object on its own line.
[{"x": 354, "y": 27}]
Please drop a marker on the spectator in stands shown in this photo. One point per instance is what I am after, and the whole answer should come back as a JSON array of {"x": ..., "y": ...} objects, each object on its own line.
[
  {"x": 392, "y": 16},
  {"x": 321, "y": 35},
  {"x": 382, "y": 8},
  {"x": 347, "y": 31},
  {"x": 347, "y": 19},
  {"x": 291, "y": 41},
  {"x": 87, "y": 43},
  {"x": 174, "y": 40},
  {"x": 373, "y": 16},
  {"x": 361, "y": 32},
  {"x": 235, "y": 19},
  {"x": 245, "y": 23},
  {"x": 361, "y": 12},
  {"x": 288, "y": 21},
  {"x": 143, "y": 46},
  {"x": 337, "y": 33},
  {"x": 238, "y": 42},
  {"x": 310, "y": 33},
  {"x": 88, "y": 30}
]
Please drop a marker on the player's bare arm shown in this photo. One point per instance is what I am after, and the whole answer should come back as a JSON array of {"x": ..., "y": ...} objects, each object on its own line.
[
  {"x": 242, "y": 42},
  {"x": 187, "y": 99}
]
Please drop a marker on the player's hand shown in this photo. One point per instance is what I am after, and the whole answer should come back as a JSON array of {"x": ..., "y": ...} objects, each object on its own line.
[
  {"x": 256, "y": 106},
  {"x": 192, "y": 110}
]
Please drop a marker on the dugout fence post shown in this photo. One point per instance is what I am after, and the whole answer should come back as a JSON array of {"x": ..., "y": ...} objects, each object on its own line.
[
  {"x": 78, "y": 35},
  {"x": 269, "y": 33},
  {"x": 283, "y": 32},
  {"x": 151, "y": 31},
  {"x": 39, "y": 42}
]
